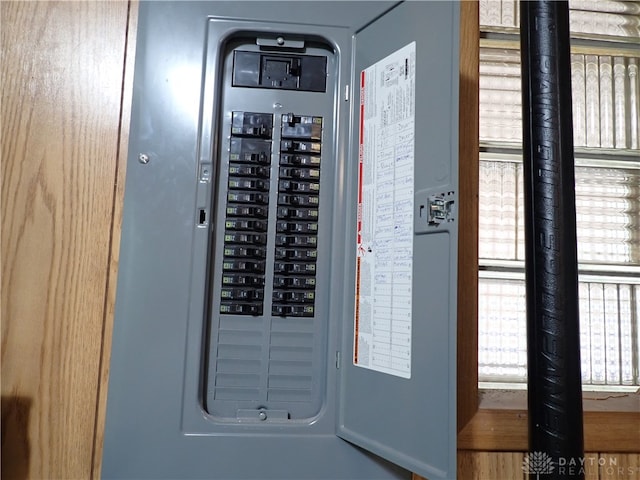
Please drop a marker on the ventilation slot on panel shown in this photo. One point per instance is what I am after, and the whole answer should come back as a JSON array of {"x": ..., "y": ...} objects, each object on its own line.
[
  {"x": 290, "y": 362},
  {"x": 238, "y": 362}
]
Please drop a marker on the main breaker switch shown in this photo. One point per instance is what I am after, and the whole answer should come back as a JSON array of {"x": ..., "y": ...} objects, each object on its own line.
[{"x": 273, "y": 70}]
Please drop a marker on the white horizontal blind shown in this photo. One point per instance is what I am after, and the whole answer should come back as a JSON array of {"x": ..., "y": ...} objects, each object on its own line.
[
  {"x": 599, "y": 17},
  {"x": 605, "y": 101},
  {"x": 502, "y": 337},
  {"x": 607, "y": 212},
  {"x": 609, "y": 334},
  {"x": 605, "y": 90}
]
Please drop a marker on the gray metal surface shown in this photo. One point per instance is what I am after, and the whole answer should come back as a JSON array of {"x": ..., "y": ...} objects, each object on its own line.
[
  {"x": 158, "y": 425},
  {"x": 412, "y": 421}
]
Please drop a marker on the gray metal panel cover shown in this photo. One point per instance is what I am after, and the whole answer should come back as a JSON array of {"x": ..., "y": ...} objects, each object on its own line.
[
  {"x": 412, "y": 421},
  {"x": 156, "y": 424}
]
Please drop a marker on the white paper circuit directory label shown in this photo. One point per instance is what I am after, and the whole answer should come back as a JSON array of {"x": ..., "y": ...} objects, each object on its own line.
[{"x": 382, "y": 337}]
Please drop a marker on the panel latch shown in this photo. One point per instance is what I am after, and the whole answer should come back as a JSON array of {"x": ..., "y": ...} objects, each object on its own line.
[{"x": 441, "y": 208}]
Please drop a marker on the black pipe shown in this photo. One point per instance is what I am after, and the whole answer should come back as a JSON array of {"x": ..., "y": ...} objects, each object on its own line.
[{"x": 553, "y": 340}]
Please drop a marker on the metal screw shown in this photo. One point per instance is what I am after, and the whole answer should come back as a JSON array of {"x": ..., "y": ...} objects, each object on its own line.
[
  {"x": 262, "y": 416},
  {"x": 280, "y": 41},
  {"x": 143, "y": 158}
]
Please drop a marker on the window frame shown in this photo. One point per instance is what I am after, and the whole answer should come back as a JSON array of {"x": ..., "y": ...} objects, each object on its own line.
[{"x": 498, "y": 421}]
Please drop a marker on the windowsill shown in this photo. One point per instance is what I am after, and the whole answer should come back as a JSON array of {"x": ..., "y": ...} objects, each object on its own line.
[
  {"x": 500, "y": 424},
  {"x": 591, "y": 401}
]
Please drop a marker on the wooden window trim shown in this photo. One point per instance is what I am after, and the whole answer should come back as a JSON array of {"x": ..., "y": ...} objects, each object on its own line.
[
  {"x": 500, "y": 423},
  {"x": 497, "y": 421}
]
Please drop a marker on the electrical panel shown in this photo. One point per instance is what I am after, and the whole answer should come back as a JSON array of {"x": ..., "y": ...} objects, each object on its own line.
[
  {"x": 286, "y": 293},
  {"x": 266, "y": 350}
]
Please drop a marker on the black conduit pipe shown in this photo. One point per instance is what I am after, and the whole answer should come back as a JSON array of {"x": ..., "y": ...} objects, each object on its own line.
[{"x": 553, "y": 341}]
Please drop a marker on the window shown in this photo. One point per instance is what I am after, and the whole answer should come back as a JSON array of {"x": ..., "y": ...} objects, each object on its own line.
[{"x": 606, "y": 88}]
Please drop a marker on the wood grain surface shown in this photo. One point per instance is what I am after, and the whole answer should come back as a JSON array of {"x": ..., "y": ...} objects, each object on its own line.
[
  {"x": 490, "y": 466},
  {"x": 506, "y": 429},
  {"x": 118, "y": 205},
  {"x": 468, "y": 135},
  {"x": 509, "y": 466},
  {"x": 62, "y": 66}
]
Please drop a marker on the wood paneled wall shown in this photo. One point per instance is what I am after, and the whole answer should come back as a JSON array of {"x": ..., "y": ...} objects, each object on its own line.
[
  {"x": 508, "y": 466},
  {"x": 63, "y": 129},
  {"x": 62, "y": 70}
]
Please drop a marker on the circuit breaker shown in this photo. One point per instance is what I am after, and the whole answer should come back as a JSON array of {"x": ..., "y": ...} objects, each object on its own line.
[{"x": 287, "y": 284}]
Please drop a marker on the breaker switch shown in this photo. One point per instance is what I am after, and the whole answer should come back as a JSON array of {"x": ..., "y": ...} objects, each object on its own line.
[
  {"x": 300, "y": 173},
  {"x": 252, "y": 124},
  {"x": 241, "y": 309},
  {"x": 298, "y": 213},
  {"x": 296, "y": 227},
  {"x": 250, "y": 150},
  {"x": 302, "y": 187},
  {"x": 295, "y": 268},
  {"x": 242, "y": 266},
  {"x": 248, "y": 171},
  {"x": 243, "y": 252},
  {"x": 292, "y": 310},
  {"x": 294, "y": 126},
  {"x": 243, "y": 197},
  {"x": 299, "y": 146},
  {"x": 294, "y": 297},
  {"x": 296, "y": 254},
  {"x": 261, "y": 157},
  {"x": 298, "y": 200},
  {"x": 245, "y": 211},
  {"x": 242, "y": 280},
  {"x": 245, "y": 238},
  {"x": 301, "y": 160},
  {"x": 247, "y": 184},
  {"x": 254, "y": 225},
  {"x": 297, "y": 240},
  {"x": 294, "y": 282},
  {"x": 245, "y": 294}
]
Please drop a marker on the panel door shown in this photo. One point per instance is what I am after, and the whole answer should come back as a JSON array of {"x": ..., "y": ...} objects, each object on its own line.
[{"x": 397, "y": 389}]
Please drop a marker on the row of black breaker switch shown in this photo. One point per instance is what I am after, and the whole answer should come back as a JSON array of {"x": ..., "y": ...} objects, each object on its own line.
[
  {"x": 296, "y": 228},
  {"x": 244, "y": 254},
  {"x": 298, "y": 200}
]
